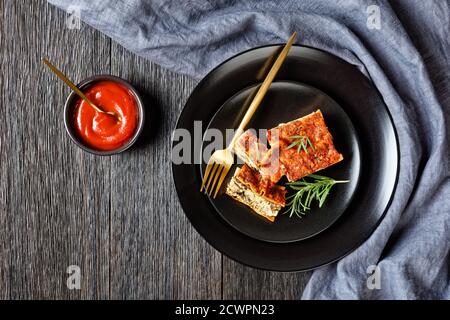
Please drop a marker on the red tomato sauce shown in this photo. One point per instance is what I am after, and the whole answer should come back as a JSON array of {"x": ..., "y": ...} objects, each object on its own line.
[{"x": 101, "y": 131}]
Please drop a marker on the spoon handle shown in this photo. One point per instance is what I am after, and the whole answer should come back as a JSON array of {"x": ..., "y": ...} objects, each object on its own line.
[{"x": 71, "y": 85}]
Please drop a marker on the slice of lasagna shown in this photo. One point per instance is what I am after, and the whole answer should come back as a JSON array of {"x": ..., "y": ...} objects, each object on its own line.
[
  {"x": 249, "y": 187},
  {"x": 255, "y": 154},
  {"x": 304, "y": 146},
  {"x": 250, "y": 149},
  {"x": 297, "y": 149}
]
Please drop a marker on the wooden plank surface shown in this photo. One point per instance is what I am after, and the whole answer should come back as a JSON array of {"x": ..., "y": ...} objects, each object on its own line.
[
  {"x": 4, "y": 226},
  {"x": 155, "y": 251},
  {"x": 118, "y": 218},
  {"x": 242, "y": 282},
  {"x": 58, "y": 197}
]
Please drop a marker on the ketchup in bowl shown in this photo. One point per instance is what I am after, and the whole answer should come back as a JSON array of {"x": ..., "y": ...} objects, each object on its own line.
[{"x": 101, "y": 131}]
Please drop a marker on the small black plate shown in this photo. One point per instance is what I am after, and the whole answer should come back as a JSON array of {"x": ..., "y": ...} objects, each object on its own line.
[
  {"x": 286, "y": 101},
  {"x": 378, "y": 157}
]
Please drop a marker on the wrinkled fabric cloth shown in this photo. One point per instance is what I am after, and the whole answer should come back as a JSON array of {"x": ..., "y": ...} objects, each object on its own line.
[{"x": 406, "y": 53}]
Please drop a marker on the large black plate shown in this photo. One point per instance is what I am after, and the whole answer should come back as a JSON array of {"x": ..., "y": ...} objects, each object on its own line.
[{"x": 372, "y": 165}]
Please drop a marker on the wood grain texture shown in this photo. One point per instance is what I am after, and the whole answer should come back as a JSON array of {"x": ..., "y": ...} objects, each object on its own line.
[
  {"x": 118, "y": 217},
  {"x": 4, "y": 226},
  {"x": 241, "y": 282},
  {"x": 58, "y": 198},
  {"x": 155, "y": 254}
]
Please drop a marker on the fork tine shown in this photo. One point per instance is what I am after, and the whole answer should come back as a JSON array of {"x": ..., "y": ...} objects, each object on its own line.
[
  {"x": 211, "y": 176},
  {"x": 222, "y": 177},
  {"x": 207, "y": 171},
  {"x": 219, "y": 170}
]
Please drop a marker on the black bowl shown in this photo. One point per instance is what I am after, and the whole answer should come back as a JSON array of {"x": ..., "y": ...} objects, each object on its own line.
[{"x": 68, "y": 113}]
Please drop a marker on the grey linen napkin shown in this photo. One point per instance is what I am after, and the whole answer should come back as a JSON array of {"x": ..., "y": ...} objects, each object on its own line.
[{"x": 406, "y": 52}]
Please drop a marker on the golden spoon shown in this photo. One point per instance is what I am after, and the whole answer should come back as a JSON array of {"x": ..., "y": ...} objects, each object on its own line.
[{"x": 76, "y": 90}]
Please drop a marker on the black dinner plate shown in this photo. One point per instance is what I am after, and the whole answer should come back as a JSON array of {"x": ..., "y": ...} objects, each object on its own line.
[
  {"x": 285, "y": 101},
  {"x": 363, "y": 132}
]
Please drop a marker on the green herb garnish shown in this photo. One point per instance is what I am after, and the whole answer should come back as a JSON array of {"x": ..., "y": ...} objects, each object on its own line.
[
  {"x": 307, "y": 191},
  {"x": 301, "y": 142}
]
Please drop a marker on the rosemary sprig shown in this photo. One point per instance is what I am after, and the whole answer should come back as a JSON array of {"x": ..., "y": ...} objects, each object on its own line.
[
  {"x": 306, "y": 191},
  {"x": 301, "y": 142}
]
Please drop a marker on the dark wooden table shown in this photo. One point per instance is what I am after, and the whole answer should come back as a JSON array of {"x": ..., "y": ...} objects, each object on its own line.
[{"x": 117, "y": 218}]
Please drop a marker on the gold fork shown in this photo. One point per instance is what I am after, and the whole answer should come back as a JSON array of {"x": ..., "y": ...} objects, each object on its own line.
[{"x": 221, "y": 160}]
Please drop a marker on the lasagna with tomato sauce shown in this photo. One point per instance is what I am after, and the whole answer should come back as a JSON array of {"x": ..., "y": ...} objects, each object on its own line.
[
  {"x": 318, "y": 152},
  {"x": 249, "y": 187},
  {"x": 297, "y": 148}
]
